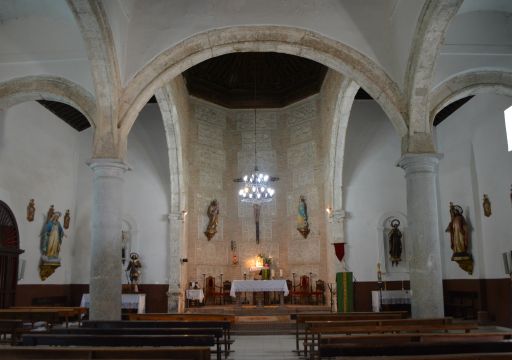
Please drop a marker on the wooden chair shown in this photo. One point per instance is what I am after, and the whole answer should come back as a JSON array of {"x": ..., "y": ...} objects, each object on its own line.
[
  {"x": 211, "y": 293},
  {"x": 288, "y": 298},
  {"x": 319, "y": 292},
  {"x": 226, "y": 288}
]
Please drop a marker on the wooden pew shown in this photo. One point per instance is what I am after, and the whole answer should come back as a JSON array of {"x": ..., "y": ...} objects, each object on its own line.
[
  {"x": 52, "y": 352},
  {"x": 189, "y": 317},
  {"x": 225, "y": 325},
  {"x": 51, "y": 317},
  {"x": 13, "y": 328},
  {"x": 216, "y": 332},
  {"x": 66, "y": 312},
  {"x": 472, "y": 356},
  {"x": 314, "y": 330},
  {"x": 413, "y": 349},
  {"x": 301, "y": 318}
]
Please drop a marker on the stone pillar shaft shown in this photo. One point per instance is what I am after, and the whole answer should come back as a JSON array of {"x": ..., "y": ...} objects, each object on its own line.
[
  {"x": 105, "y": 281},
  {"x": 174, "y": 297},
  {"x": 423, "y": 242}
]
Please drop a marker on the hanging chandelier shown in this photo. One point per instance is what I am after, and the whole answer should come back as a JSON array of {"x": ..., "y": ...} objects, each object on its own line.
[{"x": 256, "y": 187}]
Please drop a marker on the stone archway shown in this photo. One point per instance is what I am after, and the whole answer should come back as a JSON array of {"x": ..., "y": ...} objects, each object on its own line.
[
  {"x": 288, "y": 40},
  {"x": 468, "y": 83},
  {"x": 42, "y": 87}
]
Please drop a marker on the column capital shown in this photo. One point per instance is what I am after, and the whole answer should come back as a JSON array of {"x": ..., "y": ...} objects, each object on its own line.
[
  {"x": 108, "y": 166},
  {"x": 419, "y": 163}
]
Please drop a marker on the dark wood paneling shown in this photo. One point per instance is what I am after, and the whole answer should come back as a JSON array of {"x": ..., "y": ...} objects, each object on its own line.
[{"x": 156, "y": 298}]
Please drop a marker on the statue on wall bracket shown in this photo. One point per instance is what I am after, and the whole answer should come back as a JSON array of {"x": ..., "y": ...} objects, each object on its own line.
[
  {"x": 395, "y": 243},
  {"x": 213, "y": 219},
  {"x": 486, "y": 204},
  {"x": 459, "y": 237},
  {"x": 31, "y": 210},
  {"x": 302, "y": 217},
  {"x": 51, "y": 241}
]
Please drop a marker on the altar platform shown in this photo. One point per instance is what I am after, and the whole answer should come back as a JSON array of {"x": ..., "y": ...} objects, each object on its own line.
[{"x": 253, "y": 310}]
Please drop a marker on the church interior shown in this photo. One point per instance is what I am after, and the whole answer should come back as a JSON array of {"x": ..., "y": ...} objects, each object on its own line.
[{"x": 170, "y": 157}]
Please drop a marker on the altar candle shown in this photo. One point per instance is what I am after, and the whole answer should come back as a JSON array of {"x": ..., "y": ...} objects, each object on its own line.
[
  {"x": 281, "y": 273},
  {"x": 272, "y": 273}
]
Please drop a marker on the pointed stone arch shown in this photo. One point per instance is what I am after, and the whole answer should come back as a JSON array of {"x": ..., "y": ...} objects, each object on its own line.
[
  {"x": 469, "y": 83},
  {"x": 288, "y": 40},
  {"x": 43, "y": 87}
]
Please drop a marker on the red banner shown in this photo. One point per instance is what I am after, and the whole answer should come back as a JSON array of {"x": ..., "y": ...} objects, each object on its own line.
[{"x": 339, "y": 249}]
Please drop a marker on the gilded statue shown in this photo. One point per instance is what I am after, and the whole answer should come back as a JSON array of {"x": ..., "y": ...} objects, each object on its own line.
[
  {"x": 133, "y": 270},
  {"x": 459, "y": 238},
  {"x": 67, "y": 219},
  {"x": 486, "y": 204},
  {"x": 213, "y": 219}
]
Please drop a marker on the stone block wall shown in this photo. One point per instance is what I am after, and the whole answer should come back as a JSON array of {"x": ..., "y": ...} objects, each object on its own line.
[{"x": 222, "y": 149}]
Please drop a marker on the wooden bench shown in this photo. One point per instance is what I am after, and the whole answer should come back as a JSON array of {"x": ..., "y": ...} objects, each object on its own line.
[
  {"x": 315, "y": 330},
  {"x": 224, "y": 325},
  {"x": 189, "y": 317},
  {"x": 52, "y": 352},
  {"x": 10, "y": 331},
  {"x": 65, "y": 312},
  {"x": 216, "y": 332},
  {"x": 472, "y": 356},
  {"x": 50, "y": 317},
  {"x": 412, "y": 349},
  {"x": 301, "y": 318}
]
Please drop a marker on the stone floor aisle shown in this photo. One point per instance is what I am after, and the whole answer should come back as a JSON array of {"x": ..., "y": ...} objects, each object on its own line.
[{"x": 264, "y": 347}]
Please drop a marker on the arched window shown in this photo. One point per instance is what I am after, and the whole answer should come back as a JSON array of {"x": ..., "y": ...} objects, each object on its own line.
[{"x": 9, "y": 255}]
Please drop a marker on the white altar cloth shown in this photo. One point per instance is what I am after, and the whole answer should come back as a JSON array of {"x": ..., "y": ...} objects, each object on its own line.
[
  {"x": 128, "y": 301},
  {"x": 258, "y": 285},
  {"x": 390, "y": 297},
  {"x": 195, "y": 294}
]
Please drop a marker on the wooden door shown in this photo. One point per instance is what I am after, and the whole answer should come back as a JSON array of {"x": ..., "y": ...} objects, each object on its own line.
[{"x": 9, "y": 256}]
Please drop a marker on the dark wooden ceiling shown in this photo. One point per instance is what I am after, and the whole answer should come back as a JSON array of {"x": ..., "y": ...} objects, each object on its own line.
[
  {"x": 67, "y": 113},
  {"x": 255, "y": 80}
]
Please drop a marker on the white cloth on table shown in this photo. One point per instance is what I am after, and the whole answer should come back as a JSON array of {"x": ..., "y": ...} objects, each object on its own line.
[
  {"x": 390, "y": 297},
  {"x": 258, "y": 285},
  {"x": 195, "y": 294},
  {"x": 128, "y": 301}
]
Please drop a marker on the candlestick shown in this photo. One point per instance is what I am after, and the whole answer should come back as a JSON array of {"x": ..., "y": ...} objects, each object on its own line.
[{"x": 280, "y": 273}]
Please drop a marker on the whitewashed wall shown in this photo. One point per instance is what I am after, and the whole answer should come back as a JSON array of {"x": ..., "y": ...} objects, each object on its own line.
[
  {"x": 372, "y": 184},
  {"x": 476, "y": 162},
  {"x": 38, "y": 159},
  {"x": 145, "y": 201}
]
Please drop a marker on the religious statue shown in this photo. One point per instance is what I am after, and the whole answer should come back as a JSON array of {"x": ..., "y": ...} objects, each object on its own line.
[
  {"x": 213, "y": 219},
  {"x": 67, "y": 219},
  {"x": 51, "y": 240},
  {"x": 302, "y": 217},
  {"x": 133, "y": 270},
  {"x": 487, "y": 206},
  {"x": 459, "y": 237},
  {"x": 51, "y": 210},
  {"x": 395, "y": 243},
  {"x": 31, "y": 210}
]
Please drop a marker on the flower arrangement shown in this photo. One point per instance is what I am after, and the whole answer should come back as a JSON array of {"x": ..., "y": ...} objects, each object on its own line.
[{"x": 266, "y": 260}]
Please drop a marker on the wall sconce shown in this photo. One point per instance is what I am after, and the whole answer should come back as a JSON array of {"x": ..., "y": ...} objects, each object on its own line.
[
  {"x": 184, "y": 260},
  {"x": 328, "y": 211}
]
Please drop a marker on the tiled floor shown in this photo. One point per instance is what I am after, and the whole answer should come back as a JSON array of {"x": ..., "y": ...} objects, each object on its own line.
[{"x": 267, "y": 347}]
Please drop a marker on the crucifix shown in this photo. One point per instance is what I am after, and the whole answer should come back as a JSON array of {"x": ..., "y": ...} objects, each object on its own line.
[{"x": 257, "y": 208}]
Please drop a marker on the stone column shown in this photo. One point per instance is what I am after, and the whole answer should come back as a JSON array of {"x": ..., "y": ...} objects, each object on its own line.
[
  {"x": 423, "y": 243},
  {"x": 105, "y": 282},
  {"x": 174, "y": 299},
  {"x": 336, "y": 235}
]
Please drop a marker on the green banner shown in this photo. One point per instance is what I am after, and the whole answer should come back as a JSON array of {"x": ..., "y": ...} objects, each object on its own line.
[{"x": 345, "y": 291}]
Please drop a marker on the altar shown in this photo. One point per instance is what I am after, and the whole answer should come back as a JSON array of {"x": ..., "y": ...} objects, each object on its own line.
[
  {"x": 241, "y": 286},
  {"x": 390, "y": 298},
  {"x": 128, "y": 301}
]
